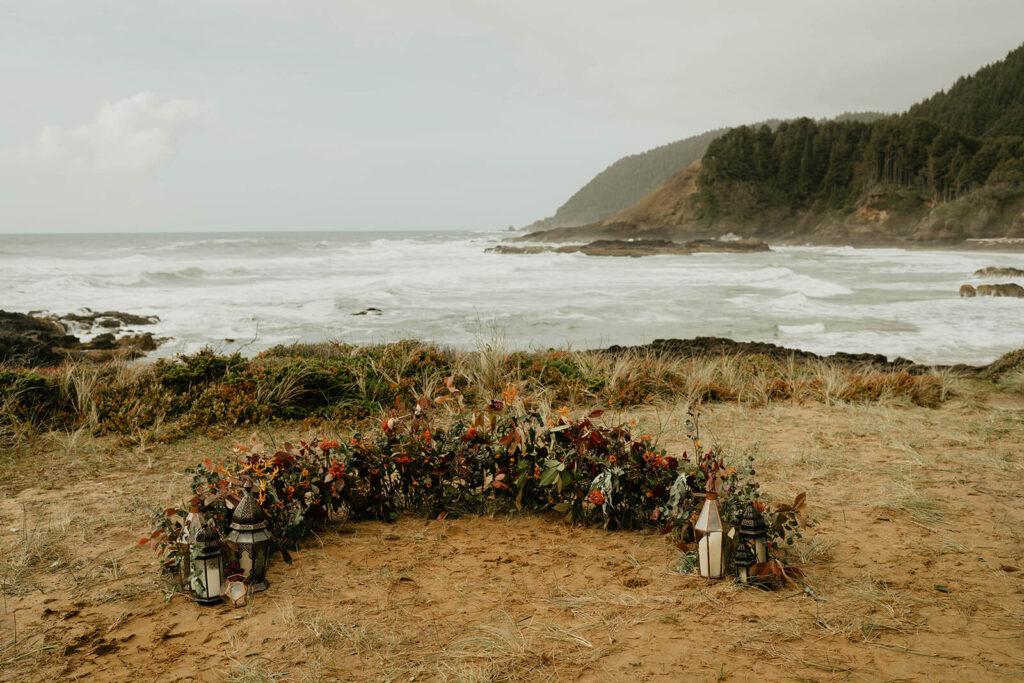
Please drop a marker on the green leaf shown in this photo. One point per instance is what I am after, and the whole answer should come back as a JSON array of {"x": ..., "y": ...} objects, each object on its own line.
[
  {"x": 549, "y": 476},
  {"x": 562, "y": 507},
  {"x": 565, "y": 480}
]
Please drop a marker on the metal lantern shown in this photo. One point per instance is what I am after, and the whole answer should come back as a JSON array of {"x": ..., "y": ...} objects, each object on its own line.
[
  {"x": 709, "y": 547},
  {"x": 208, "y": 567},
  {"x": 743, "y": 561},
  {"x": 252, "y": 542},
  {"x": 753, "y": 529},
  {"x": 235, "y": 590},
  {"x": 193, "y": 525}
]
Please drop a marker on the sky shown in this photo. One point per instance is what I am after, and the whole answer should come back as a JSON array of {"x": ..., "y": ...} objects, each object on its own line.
[{"x": 218, "y": 116}]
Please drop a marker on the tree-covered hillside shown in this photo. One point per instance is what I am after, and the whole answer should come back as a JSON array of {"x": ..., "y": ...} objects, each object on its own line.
[
  {"x": 989, "y": 103},
  {"x": 803, "y": 164},
  {"x": 631, "y": 178},
  {"x": 948, "y": 145}
]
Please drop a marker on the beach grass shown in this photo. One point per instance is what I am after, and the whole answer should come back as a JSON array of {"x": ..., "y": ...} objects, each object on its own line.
[{"x": 335, "y": 383}]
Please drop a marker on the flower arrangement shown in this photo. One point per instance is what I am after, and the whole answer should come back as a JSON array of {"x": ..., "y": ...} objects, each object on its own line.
[{"x": 439, "y": 459}]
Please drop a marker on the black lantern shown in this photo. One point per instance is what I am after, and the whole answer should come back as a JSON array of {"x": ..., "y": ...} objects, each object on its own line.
[
  {"x": 754, "y": 530},
  {"x": 251, "y": 538},
  {"x": 193, "y": 525},
  {"x": 743, "y": 561},
  {"x": 208, "y": 567}
]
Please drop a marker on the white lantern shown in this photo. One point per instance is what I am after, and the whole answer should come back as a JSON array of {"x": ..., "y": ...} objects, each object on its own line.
[
  {"x": 208, "y": 567},
  {"x": 709, "y": 547}
]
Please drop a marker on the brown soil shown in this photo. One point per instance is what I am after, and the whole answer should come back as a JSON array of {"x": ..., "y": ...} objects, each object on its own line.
[{"x": 915, "y": 571}]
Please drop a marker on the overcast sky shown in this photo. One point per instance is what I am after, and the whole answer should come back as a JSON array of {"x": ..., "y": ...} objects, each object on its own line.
[{"x": 322, "y": 115}]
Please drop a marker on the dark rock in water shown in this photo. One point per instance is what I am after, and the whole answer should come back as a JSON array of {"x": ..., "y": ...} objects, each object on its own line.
[
  {"x": 509, "y": 249},
  {"x": 102, "y": 341},
  {"x": 737, "y": 246},
  {"x": 968, "y": 291},
  {"x": 370, "y": 311},
  {"x": 141, "y": 342},
  {"x": 27, "y": 340},
  {"x": 993, "y": 271},
  {"x": 633, "y": 248},
  {"x": 109, "y": 318},
  {"x": 1008, "y": 289},
  {"x": 637, "y": 248}
]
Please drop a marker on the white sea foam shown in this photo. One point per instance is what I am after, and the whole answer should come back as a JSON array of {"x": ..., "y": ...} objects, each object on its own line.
[
  {"x": 279, "y": 288},
  {"x": 800, "y": 330}
]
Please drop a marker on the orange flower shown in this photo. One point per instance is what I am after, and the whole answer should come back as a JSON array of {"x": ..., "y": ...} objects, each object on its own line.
[
  {"x": 509, "y": 394},
  {"x": 597, "y": 497}
]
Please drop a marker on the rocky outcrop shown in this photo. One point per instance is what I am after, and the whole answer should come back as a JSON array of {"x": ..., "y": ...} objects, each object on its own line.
[
  {"x": 993, "y": 271},
  {"x": 644, "y": 247},
  {"x": 714, "y": 347},
  {"x": 33, "y": 340},
  {"x": 1009, "y": 289}
]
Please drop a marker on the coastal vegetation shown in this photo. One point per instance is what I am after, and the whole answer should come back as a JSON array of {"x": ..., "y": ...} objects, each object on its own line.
[{"x": 336, "y": 383}]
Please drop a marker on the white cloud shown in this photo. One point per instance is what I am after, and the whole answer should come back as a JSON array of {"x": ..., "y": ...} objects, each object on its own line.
[{"x": 137, "y": 132}]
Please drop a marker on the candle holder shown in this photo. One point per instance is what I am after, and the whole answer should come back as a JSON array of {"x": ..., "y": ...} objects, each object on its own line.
[
  {"x": 249, "y": 534},
  {"x": 709, "y": 546},
  {"x": 743, "y": 561},
  {"x": 753, "y": 529},
  {"x": 208, "y": 567}
]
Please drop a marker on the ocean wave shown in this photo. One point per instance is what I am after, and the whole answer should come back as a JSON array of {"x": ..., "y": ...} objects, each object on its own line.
[{"x": 810, "y": 328}]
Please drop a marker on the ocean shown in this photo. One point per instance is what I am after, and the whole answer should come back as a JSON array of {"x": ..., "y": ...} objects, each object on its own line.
[{"x": 251, "y": 291}]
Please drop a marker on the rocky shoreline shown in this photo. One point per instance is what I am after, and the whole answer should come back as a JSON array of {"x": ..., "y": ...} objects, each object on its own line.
[
  {"x": 717, "y": 347},
  {"x": 640, "y": 247},
  {"x": 42, "y": 340}
]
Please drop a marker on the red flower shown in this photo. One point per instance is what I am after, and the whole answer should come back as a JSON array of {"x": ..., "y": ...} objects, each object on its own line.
[{"x": 597, "y": 497}]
